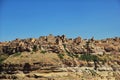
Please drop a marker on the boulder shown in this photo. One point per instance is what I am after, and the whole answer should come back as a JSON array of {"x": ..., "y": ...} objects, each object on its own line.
[
  {"x": 78, "y": 40},
  {"x": 51, "y": 39}
]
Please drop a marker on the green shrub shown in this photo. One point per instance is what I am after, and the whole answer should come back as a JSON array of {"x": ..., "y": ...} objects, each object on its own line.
[
  {"x": 35, "y": 48},
  {"x": 85, "y": 57},
  {"x": 43, "y": 52},
  {"x": 61, "y": 56},
  {"x": 64, "y": 46},
  {"x": 89, "y": 57},
  {"x": 3, "y": 57},
  {"x": 17, "y": 54},
  {"x": 70, "y": 54}
]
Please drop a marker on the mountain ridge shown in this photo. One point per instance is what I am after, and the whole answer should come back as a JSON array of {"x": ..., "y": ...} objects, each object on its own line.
[{"x": 38, "y": 58}]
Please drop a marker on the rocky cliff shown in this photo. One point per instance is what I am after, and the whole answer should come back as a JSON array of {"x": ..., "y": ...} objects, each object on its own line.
[
  {"x": 55, "y": 53},
  {"x": 60, "y": 44}
]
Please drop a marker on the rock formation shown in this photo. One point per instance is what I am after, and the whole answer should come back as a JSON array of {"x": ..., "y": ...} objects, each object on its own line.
[
  {"x": 59, "y": 44},
  {"x": 53, "y": 52}
]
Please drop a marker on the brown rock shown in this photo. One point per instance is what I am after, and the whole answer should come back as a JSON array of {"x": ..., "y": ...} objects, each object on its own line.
[{"x": 78, "y": 40}]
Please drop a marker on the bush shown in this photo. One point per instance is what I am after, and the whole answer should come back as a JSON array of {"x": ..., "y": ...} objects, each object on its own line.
[
  {"x": 3, "y": 57},
  {"x": 64, "y": 46},
  {"x": 61, "y": 56},
  {"x": 86, "y": 57},
  {"x": 43, "y": 52},
  {"x": 89, "y": 57},
  {"x": 35, "y": 48},
  {"x": 17, "y": 54},
  {"x": 70, "y": 54}
]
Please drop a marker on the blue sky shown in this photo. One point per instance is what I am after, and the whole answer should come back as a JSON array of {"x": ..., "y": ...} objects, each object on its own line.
[{"x": 34, "y": 18}]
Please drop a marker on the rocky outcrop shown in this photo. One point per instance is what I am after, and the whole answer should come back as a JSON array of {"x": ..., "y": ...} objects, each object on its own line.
[
  {"x": 60, "y": 44},
  {"x": 26, "y": 68},
  {"x": 57, "y": 54}
]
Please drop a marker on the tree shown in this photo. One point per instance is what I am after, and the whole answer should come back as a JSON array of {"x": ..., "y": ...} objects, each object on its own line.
[{"x": 88, "y": 57}]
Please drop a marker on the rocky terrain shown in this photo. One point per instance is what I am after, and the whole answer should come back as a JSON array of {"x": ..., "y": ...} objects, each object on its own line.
[{"x": 60, "y": 58}]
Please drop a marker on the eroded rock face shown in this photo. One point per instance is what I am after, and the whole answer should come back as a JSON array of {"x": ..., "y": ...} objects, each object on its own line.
[
  {"x": 26, "y": 68},
  {"x": 59, "y": 44}
]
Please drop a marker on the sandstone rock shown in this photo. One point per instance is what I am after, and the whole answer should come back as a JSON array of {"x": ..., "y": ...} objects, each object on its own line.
[
  {"x": 51, "y": 39},
  {"x": 105, "y": 68},
  {"x": 108, "y": 48},
  {"x": 61, "y": 44},
  {"x": 78, "y": 40}
]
